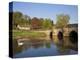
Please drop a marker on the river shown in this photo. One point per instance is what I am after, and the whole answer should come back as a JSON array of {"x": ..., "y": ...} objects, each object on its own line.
[{"x": 45, "y": 47}]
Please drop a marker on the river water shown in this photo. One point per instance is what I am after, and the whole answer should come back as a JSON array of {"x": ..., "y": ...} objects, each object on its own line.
[{"x": 44, "y": 47}]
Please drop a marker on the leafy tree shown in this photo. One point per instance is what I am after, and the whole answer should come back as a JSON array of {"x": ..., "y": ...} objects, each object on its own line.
[
  {"x": 41, "y": 22},
  {"x": 62, "y": 20},
  {"x": 20, "y": 19},
  {"x": 27, "y": 18},
  {"x": 47, "y": 24},
  {"x": 35, "y": 23},
  {"x": 16, "y": 18}
]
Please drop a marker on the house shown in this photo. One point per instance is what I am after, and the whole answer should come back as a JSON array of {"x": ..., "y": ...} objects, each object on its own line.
[{"x": 23, "y": 28}]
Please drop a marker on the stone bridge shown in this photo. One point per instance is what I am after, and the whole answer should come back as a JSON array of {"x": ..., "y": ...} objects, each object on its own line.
[{"x": 66, "y": 31}]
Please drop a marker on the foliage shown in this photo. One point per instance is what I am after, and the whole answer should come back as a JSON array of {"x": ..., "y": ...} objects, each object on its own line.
[
  {"x": 35, "y": 23},
  {"x": 47, "y": 24},
  {"x": 19, "y": 19},
  {"x": 62, "y": 20}
]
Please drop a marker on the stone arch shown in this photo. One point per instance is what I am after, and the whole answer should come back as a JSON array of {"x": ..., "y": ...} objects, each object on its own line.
[
  {"x": 73, "y": 36},
  {"x": 51, "y": 34},
  {"x": 60, "y": 35}
]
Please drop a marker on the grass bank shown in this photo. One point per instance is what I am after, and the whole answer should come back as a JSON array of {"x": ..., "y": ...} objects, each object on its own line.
[{"x": 27, "y": 34}]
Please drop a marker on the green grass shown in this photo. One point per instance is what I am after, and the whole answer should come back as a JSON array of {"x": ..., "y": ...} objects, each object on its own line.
[{"x": 27, "y": 34}]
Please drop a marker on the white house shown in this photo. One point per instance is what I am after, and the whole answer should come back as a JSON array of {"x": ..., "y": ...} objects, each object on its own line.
[{"x": 23, "y": 28}]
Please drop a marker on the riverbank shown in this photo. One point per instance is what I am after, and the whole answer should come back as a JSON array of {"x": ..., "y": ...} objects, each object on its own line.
[{"x": 17, "y": 34}]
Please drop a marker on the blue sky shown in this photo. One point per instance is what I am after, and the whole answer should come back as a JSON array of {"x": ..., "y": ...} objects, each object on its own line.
[{"x": 47, "y": 10}]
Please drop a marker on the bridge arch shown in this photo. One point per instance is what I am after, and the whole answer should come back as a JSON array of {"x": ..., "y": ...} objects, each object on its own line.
[
  {"x": 60, "y": 35},
  {"x": 73, "y": 36}
]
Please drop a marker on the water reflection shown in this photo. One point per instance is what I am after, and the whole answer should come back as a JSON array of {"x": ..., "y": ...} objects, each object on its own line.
[
  {"x": 44, "y": 47},
  {"x": 16, "y": 48},
  {"x": 66, "y": 46}
]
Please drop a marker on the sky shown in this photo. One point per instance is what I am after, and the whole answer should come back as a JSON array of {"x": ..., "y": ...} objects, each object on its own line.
[{"x": 41, "y": 10}]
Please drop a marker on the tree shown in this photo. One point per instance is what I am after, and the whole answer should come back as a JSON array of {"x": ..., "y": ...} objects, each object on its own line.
[
  {"x": 62, "y": 20},
  {"x": 20, "y": 19},
  {"x": 41, "y": 22},
  {"x": 16, "y": 18},
  {"x": 35, "y": 23},
  {"x": 27, "y": 18},
  {"x": 47, "y": 23}
]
